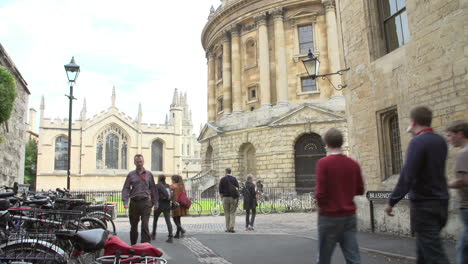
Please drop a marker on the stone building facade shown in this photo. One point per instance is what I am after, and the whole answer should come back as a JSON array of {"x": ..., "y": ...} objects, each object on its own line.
[
  {"x": 421, "y": 60},
  {"x": 265, "y": 114},
  {"x": 12, "y": 150},
  {"x": 103, "y": 147}
]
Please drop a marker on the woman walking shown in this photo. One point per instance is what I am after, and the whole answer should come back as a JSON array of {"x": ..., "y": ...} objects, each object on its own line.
[
  {"x": 178, "y": 187},
  {"x": 250, "y": 203},
  {"x": 165, "y": 196}
]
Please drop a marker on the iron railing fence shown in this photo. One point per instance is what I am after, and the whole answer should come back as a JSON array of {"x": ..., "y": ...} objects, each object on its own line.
[{"x": 209, "y": 201}]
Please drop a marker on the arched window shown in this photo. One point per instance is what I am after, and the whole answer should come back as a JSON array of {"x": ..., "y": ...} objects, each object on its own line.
[
  {"x": 61, "y": 153},
  {"x": 157, "y": 156},
  {"x": 250, "y": 53},
  {"x": 111, "y": 149}
]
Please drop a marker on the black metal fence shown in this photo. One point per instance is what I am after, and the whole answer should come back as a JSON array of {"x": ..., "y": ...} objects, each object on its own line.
[{"x": 208, "y": 202}]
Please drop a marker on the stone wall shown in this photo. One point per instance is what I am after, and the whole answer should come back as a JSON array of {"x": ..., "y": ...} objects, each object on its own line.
[
  {"x": 12, "y": 150},
  {"x": 431, "y": 70},
  {"x": 274, "y": 149}
]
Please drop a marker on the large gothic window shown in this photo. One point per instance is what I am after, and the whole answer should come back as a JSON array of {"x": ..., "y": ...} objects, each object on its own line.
[
  {"x": 157, "y": 156},
  {"x": 61, "y": 153},
  {"x": 308, "y": 150},
  {"x": 111, "y": 149}
]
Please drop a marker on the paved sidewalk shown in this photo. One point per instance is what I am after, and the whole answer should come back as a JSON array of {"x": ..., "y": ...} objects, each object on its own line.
[{"x": 301, "y": 225}]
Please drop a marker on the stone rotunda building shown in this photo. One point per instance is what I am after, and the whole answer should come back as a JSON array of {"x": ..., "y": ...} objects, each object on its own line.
[{"x": 266, "y": 116}]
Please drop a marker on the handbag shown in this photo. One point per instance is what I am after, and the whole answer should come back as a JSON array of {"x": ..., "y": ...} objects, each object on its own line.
[
  {"x": 174, "y": 205},
  {"x": 183, "y": 200},
  {"x": 232, "y": 190}
]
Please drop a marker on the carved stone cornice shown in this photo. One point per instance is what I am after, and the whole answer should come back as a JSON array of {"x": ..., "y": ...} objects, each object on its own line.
[
  {"x": 261, "y": 18},
  {"x": 277, "y": 13},
  {"x": 225, "y": 36},
  {"x": 329, "y": 4},
  {"x": 235, "y": 30},
  {"x": 210, "y": 55}
]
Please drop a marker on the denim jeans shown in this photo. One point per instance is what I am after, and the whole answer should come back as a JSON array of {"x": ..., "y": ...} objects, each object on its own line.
[
  {"x": 340, "y": 230},
  {"x": 428, "y": 219},
  {"x": 462, "y": 245}
]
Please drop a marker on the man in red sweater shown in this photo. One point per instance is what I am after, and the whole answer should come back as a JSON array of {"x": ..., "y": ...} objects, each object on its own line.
[{"x": 339, "y": 179}]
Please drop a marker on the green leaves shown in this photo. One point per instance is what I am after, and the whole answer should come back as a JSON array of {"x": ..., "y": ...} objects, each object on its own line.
[
  {"x": 30, "y": 166},
  {"x": 7, "y": 94}
]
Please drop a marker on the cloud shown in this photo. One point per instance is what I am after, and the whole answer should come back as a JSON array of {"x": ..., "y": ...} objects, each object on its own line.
[{"x": 144, "y": 48}]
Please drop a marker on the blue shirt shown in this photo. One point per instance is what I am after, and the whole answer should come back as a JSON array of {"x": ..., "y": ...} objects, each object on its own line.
[{"x": 423, "y": 174}]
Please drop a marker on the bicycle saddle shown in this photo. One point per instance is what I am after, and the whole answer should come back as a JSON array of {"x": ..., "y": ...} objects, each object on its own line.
[
  {"x": 87, "y": 240},
  {"x": 37, "y": 202},
  {"x": 7, "y": 194},
  {"x": 71, "y": 201}
]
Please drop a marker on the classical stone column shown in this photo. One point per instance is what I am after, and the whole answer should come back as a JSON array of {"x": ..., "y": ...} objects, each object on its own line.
[
  {"x": 264, "y": 60},
  {"x": 226, "y": 73},
  {"x": 332, "y": 41},
  {"x": 236, "y": 70},
  {"x": 280, "y": 56},
  {"x": 211, "y": 86}
]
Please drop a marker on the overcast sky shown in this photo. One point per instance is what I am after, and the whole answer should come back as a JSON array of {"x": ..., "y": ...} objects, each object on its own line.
[{"x": 145, "y": 48}]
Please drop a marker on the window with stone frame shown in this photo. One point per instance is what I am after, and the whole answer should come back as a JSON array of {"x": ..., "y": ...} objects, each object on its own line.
[
  {"x": 157, "y": 156},
  {"x": 308, "y": 84},
  {"x": 219, "y": 67},
  {"x": 111, "y": 149},
  {"x": 61, "y": 153},
  {"x": 252, "y": 93},
  {"x": 394, "y": 21},
  {"x": 390, "y": 142},
  {"x": 306, "y": 38},
  {"x": 220, "y": 104}
]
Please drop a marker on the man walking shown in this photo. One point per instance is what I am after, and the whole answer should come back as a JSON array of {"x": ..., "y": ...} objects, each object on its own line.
[
  {"x": 140, "y": 190},
  {"x": 339, "y": 179},
  {"x": 228, "y": 189},
  {"x": 457, "y": 134},
  {"x": 423, "y": 176}
]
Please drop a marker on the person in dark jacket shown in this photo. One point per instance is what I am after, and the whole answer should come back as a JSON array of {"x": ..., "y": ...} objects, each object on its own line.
[
  {"x": 164, "y": 201},
  {"x": 250, "y": 203},
  {"x": 423, "y": 176},
  {"x": 229, "y": 191}
]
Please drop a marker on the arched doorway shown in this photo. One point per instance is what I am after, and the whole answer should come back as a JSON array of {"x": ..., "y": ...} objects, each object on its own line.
[
  {"x": 309, "y": 149},
  {"x": 248, "y": 161},
  {"x": 209, "y": 158}
]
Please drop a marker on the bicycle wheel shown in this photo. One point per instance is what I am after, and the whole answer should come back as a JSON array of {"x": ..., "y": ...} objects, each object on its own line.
[
  {"x": 196, "y": 209},
  {"x": 36, "y": 251},
  {"x": 216, "y": 208},
  {"x": 280, "y": 206},
  {"x": 92, "y": 223},
  {"x": 106, "y": 219},
  {"x": 264, "y": 207}
]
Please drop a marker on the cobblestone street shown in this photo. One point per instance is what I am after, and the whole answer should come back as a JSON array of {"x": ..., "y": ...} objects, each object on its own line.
[{"x": 278, "y": 238}]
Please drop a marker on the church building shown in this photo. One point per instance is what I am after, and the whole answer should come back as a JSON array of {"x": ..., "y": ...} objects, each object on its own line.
[{"x": 103, "y": 147}]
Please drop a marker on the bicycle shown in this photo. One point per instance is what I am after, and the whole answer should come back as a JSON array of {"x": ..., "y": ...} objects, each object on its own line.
[
  {"x": 196, "y": 207},
  {"x": 263, "y": 203},
  {"x": 216, "y": 207}
]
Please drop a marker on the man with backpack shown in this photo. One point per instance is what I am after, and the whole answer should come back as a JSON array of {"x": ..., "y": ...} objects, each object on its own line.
[{"x": 228, "y": 189}]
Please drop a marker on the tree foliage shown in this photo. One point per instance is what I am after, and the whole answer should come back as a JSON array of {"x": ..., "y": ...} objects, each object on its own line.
[
  {"x": 30, "y": 163},
  {"x": 7, "y": 94}
]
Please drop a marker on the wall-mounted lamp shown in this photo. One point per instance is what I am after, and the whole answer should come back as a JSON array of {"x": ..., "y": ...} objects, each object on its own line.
[{"x": 312, "y": 65}]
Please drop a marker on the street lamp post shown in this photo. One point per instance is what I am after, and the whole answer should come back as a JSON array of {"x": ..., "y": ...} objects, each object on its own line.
[
  {"x": 186, "y": 168},
  {"x": 72, "y": 69},
  {"x": 312, "y": 65}
]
